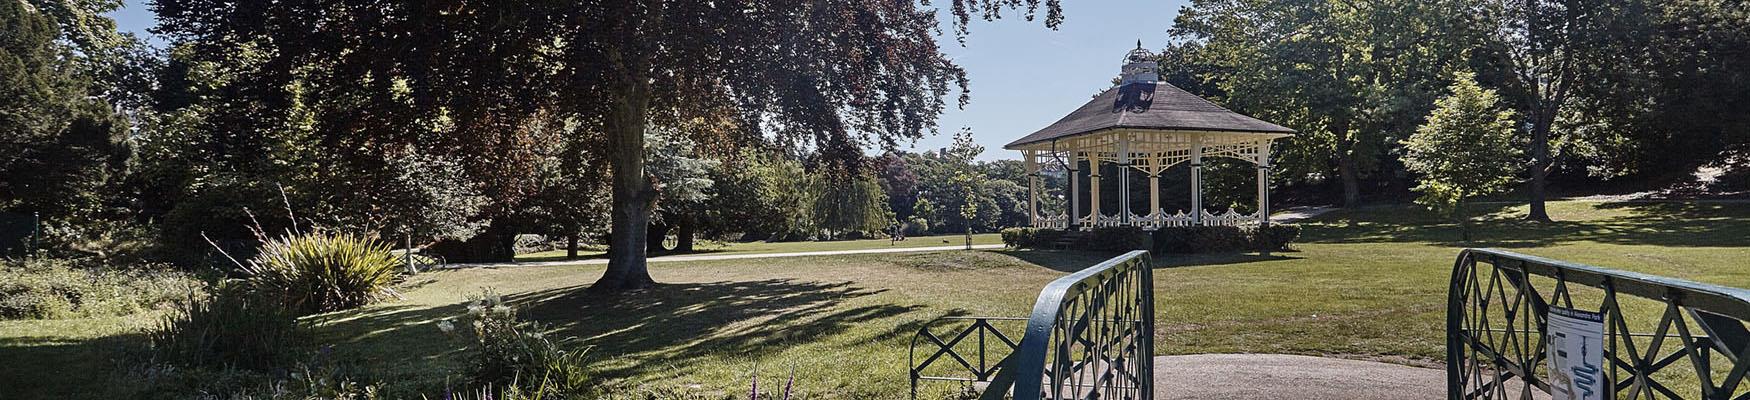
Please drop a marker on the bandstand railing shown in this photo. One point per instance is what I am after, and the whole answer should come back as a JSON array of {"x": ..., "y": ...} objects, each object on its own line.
[
  {"x": 1091, "y": 336},
  {"x": 1157, "y": 220},
  {"x": 1663, "y": 338}
]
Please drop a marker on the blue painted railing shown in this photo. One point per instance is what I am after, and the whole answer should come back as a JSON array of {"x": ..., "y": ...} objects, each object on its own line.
[
  {"x": 1497, "y": 325},
  {"x": 1091, "y": 336}
]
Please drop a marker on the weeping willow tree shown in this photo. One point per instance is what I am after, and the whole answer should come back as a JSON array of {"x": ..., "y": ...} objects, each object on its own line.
[{"x": 851, "y": 204}]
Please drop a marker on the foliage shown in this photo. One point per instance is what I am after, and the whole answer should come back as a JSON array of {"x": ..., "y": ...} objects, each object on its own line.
[
  {"x": 232, "y": 328},
  {"x": 1021, "y": 238},
  {"x": 789, "y": 193},
  {"x": 1351, "y": 78},
  {"x": 1114, "y": 238},
  {"x": 1466, "y": 148},
  {"x": 516, "y": 356},
  {"x": 1275, "y": 237},
  {"x": 52, "y": 288},
  {"x": 1222, "y": 239},
  {"x": 63, "y": 144},
  {"x": 1206, "y": 239},
  {"x": 321, "y": 272},
  {"x": 852, "y": 204}
]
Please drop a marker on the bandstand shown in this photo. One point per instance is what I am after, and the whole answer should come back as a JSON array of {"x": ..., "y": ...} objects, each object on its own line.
[{"x": 1148, "y": 126}]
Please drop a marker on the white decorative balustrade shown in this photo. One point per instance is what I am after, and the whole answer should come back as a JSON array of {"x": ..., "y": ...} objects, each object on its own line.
[
  {"x": 1156, "y": 220},
  {"x": 1058, "y": 221}
]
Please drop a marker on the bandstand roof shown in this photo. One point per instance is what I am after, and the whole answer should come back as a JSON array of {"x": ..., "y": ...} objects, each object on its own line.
[{"x": 1150, "y": 105}]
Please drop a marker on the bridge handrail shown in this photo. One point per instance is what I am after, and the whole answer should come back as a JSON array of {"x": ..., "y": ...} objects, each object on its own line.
[
  {"x": 1061, "y": 309},
  {"x": 1719, "y": 311}
]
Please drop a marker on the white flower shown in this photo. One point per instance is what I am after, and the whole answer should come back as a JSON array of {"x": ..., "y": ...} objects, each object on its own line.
[
  {"x": 501, "y": 309},
  {"x": 446, "y": 326}
]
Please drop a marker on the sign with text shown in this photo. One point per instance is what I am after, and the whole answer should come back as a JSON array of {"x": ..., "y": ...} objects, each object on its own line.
[{"x": 1576, "y": 354}]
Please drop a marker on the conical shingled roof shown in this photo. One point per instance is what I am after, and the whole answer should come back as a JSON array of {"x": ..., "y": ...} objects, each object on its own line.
[{"x": 1149, "y": 105}]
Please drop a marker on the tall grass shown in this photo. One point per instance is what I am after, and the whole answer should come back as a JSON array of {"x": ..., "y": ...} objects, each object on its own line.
[{"x": 321, "y": 272}]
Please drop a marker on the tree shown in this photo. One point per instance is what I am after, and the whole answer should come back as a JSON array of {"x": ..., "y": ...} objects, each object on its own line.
[
  {"x": 811, "y": 71},
  {"x": 851, "y": 204},
  {"x": 1465, "y": 149},
  {"x": 63, "y": 143},
  {"x": 1542, "y": 42},
  {"x": 1352, "y": 77},
  {"x": 683, "y": 181}
]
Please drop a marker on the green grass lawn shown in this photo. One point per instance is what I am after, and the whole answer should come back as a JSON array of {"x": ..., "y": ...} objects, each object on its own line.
[
  {"x": 1367, "y": 284},
  {"x": 712, "y": 247}
]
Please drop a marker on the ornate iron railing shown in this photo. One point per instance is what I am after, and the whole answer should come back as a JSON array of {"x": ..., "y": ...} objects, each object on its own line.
[
  {"x": 1496, "y": 324},
  {"x": 975, "y": 362},
  {"x": 1091, "y": 336}
]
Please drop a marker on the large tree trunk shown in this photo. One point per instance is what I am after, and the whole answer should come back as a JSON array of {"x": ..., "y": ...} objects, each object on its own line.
[
  {"x": 571, "y": 244},
  {"x": 1346, "y": 169},
  {"x": 655, "y": 236},
  {"x": 684, "y": 232},
  {"x": 1540, "y": 166},
  {"x": 633, "y": 196}
]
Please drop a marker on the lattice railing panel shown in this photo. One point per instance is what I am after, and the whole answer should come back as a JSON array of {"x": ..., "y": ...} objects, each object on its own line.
[{"x": 1664, "y": 338}]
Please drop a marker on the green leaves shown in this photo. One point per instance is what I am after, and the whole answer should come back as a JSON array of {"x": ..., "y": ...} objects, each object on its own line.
[
  {"x": 1466, "y": 148},
  {"x": 321, "y": 272}
]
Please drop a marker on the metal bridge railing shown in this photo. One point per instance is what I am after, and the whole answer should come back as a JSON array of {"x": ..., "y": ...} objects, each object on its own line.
[
  {"x": 1663, "y": 338},
  {"x": 1091, "y": 336}
]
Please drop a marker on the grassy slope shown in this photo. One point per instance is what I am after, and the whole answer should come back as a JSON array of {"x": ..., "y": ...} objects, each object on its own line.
[
  {"x": 789, "y": 247},
  {"x": 1367, "y": 283}
]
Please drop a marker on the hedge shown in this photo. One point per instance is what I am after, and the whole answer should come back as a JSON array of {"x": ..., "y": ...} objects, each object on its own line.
[{"x": 1186, "y": 239}]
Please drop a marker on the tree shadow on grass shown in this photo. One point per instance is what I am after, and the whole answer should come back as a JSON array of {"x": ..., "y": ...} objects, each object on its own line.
[
  {"x": 54, "y": 368},
  {"x": 1170, "y": 260},
  {"x": 1676, "y": 224},
  {"x": 1061, "y": 260},
  {"x": 674, "y": 324}
]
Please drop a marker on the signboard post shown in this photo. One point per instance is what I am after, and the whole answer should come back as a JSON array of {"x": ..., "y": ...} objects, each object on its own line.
[{"x": 1576, "y": 354}]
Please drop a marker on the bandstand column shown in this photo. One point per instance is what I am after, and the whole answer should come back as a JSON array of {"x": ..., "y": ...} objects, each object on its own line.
[
  {"x": 1094, "y": 188},
  {"x": 1031, "y": 162},
  {"x": 1264, "y": 184},
  {"x": 1075, "y": 192},
  {"x": 1154, "y": 190},
  {"x": 1197, "y": 179},
  {"x": 1124, "y": 178}
]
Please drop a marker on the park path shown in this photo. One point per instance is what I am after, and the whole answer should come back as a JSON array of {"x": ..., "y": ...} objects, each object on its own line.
[
  {"x": 1296, "y": 214},
  {"x": 1280, "y": 376},
  {"x": 712, "y": 257}
]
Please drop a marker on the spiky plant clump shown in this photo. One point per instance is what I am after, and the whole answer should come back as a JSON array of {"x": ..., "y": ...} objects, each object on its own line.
[{"x": 320, "y": 272}]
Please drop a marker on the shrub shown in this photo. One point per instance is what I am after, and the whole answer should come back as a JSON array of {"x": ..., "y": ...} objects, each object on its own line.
[
  {"x": 1275, "y": 237},
  {"x": 1117, "y": 238},
  {"x": 320, "y": 272},
  {"x": 1176, "y": 239},
  {"x": 231, "y": 328},
  {"x": 48, "y": 288},
  {"x": 515, "y": 355},
  {"x": 1210, "y": 239},
  {"x": 1020, "y": 238},
  {"x": 917, "y": 227}
]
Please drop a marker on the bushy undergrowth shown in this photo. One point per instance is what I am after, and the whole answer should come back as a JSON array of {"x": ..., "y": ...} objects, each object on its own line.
[
  {"x": 322, "y": 272},
  {"x": 509, "y": 358},
  {"x": 1185, "y": 239},
  {"x": 233, "y": 328},
  {"x": 51, "y": 288}
]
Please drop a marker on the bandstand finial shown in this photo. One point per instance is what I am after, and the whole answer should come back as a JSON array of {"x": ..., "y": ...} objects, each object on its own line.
[{"x": 1140, "y": 66}]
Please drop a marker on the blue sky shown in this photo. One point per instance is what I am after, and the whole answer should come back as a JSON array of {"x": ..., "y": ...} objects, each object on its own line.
[{"x": 1024, "y": 76}]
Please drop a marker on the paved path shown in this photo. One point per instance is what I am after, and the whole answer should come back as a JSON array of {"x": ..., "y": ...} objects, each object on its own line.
[
  {"x": 1276, "y": 376},
  {"x": 1295, "y": 214},
  {"x": 709, "y": 257}
]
